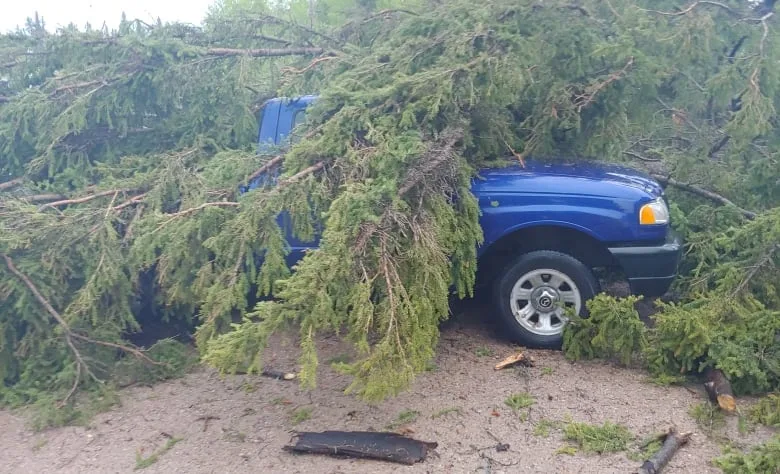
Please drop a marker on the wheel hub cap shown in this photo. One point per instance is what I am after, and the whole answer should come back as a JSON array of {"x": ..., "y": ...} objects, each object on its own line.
[{"x": 545, "y": 299}]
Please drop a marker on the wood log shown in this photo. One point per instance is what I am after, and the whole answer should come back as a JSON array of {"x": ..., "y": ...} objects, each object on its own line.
[
  {"x": 673, "y": 441},
  {"x": 275, "y": 374},
  {"x": 518, "y": 358},
  {"x": 363, "y": 444},
  {"x": 719, "y": 390}
]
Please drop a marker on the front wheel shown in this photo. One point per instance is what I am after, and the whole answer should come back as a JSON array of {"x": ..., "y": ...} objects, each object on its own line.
[{"x": 532, "y": 293}]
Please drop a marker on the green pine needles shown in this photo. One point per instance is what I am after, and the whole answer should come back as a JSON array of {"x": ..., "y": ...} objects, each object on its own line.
[{"x": 121, "y": 155}]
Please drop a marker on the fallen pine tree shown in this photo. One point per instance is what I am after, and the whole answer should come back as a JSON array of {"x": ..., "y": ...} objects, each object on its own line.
[{"x": 122, "y": 154}]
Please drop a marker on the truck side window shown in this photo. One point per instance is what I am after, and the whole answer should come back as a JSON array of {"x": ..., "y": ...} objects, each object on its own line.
[{"x": 298, "y": 119}]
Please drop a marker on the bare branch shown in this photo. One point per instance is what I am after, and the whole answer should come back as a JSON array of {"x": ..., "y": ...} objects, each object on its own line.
[
  {"x": 692, "y": 6},
  {"x": 42, "y": 197},
  {"x": 640, "y": 157},
  {"x": 130, "y": 202},
  {"x": 317, "y": 61},
  {"x": 11, "y": 184},
  {"x": 264, "y": 53},
  {"x": 267, "y": 166},
  {"x": 704, "y": 193},
  {"x": 65, "y": 202},
  {"x": 765, "y": 260},
  {"x": 128, "y": 349},
  {"x": 203, "y": 206},
  {"x": 296, "y": 177}
]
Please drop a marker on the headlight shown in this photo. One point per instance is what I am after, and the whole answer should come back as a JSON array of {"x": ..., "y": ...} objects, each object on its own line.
[{"x": 654, "y": 213}]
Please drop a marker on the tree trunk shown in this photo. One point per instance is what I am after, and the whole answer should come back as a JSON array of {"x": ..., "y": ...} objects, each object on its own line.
[
  {"x": 719, "y": 390},
  {"x": 672, "y": 442},
  {"x": 363, "y": 444}
]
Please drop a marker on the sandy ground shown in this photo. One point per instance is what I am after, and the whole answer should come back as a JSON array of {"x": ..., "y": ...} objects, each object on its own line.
[{"x": 239, "y": 424}]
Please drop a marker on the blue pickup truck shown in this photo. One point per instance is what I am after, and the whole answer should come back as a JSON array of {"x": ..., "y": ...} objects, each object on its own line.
[{"x": 546, "y": 228}]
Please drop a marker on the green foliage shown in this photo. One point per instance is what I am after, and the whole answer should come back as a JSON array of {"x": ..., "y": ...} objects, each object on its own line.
[
  {"x": 484, "y": 351},
  {"x": 404, "y": 418},
  {"x": 761, "y": 459},
  {"x": 613, "y": 329},
  {"x": 447, "y": 411},
  {"x": 646, "y": 449},
  {"x": 144, "y": 462},
  {"x": 149, "y": 130},
  {"x": 607, "y": 438},
  {"x": 518, "y": 401},
  {"x": 708, "y": 417},
  {"x": 543, "y": 428},
  {"x": 766, "y": 411},
  {"x": 301, "y": 414},
  {"x": 729, "y": 318},
  {"x": 45, "y": 412}
]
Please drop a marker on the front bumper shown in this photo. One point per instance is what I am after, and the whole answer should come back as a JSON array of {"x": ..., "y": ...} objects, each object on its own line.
[{"x": 650, "y": 270}]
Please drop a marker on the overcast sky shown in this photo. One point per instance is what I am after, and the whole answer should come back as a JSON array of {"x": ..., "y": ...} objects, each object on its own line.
[{"x": 61, "y": 12}]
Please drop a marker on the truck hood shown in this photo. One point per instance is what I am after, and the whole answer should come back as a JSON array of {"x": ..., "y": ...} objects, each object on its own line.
[{"x": 582, "y": 178}]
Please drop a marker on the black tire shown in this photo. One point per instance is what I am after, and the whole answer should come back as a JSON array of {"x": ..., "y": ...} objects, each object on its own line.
[{"x": 579, "y": 274}]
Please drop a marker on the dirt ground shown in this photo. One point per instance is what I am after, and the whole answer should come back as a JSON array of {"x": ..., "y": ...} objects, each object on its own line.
[{"x": 241, "y": 423}]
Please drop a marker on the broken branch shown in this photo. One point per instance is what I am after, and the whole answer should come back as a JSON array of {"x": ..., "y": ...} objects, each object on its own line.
[
  {"x": 363, "y": 444},
  {"x": 673, "y": 441},
  {"x": 518, "y": 358}
]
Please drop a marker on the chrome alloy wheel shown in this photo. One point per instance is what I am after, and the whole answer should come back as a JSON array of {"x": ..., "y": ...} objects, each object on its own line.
[{"x": 539, "y": 298}]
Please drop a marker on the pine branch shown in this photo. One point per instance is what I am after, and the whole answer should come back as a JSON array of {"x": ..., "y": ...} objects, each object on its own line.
[
  {"x": 264, "y": 53},
  {"x": 80, "y": 85},
  {"x": 704, "y": 193},
  {"x": 315, "y": 62},
  {"x": 203, "y": 206},
  {"x": 65, "y": 202},
  {"x": 128, "y": 349},
  {"x": 583, "y": 100},
  {"x": 172, "y": 217},
  {"x": 69, "y": 334},
  {"x": 692, "y": 6},
  {"x": 765, "y": 260},
  {"x": 53, "y": 312}
]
